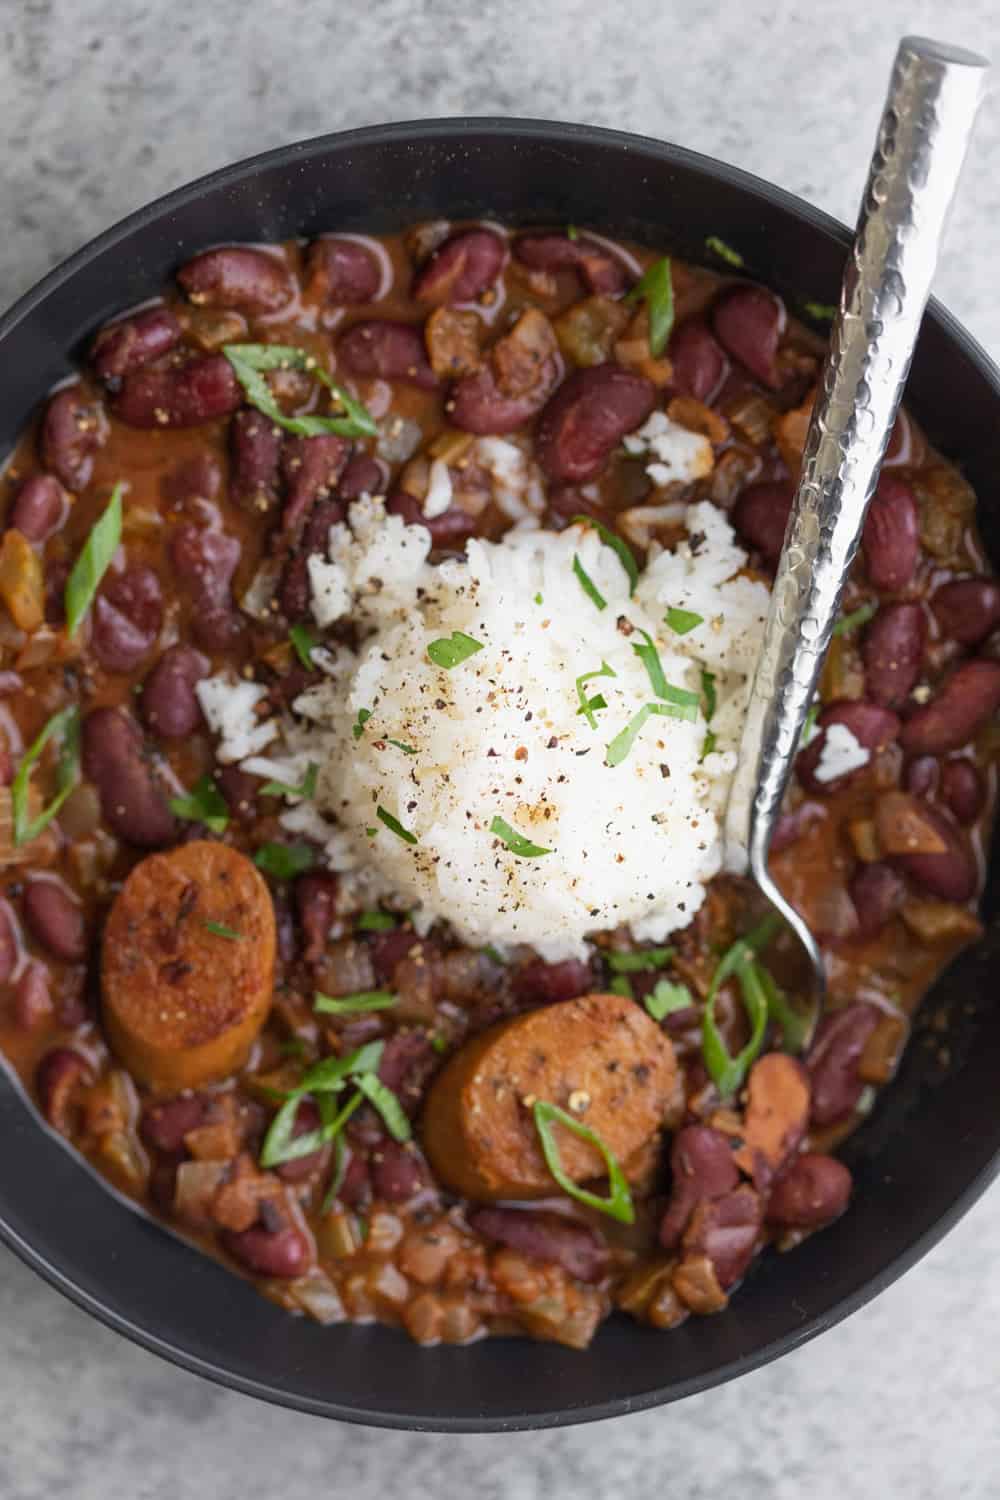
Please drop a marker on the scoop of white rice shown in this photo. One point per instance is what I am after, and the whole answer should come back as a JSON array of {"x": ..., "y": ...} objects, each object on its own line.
[{"x": 444, "y": 753}]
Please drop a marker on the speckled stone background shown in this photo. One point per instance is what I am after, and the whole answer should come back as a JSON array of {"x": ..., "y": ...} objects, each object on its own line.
[{"x": 107, "y": 105}]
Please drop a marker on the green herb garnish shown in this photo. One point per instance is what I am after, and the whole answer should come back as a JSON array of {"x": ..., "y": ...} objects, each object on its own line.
[
  {"x": 538, "y": 599},
  {"x": 589, "y": 706},
  {"x": 284, "y": 789},
  {"x": 682, "y": 621},
  {"x": 516, "y": 842},
  {"x": 293, "y": 1046},
  {"x": 204, "y": 803},
  {"x": 572, "y": 233},
  {"x": 93, "y": 562},
  {"x": 795, "y": 1026},
  {"x": 650, "y": 658},
  {"x": 64, "y": 726},
  {"x": 708, "y": 744},
  {"x": 304, "y": 642},
  {"x": 329, "y": 1075},
  {"x": 219, "y": 929},
  {"x": 656, "y": 288},
  {"x": 347, "y": 1005},
  {"x": 395, "y": 826},
  {"x": 588, "y": 585},
  {"x": 621, "y": 745},
  {"x": 387, "y": 1104},
  {"x": 358, "y": 727},
  {"x": 823, "y": 312},
  {"x": 858, "y": 617},
  {"x": 642, "y": 962},
  {"x": 739, "y": 961},
  {"x": 723, "y": 251},
  {"x": 251, "y": 361},
  {"x": 809, "y": 726},
  {"x": 399, "y": 745},
  {"x": 667, "y": 997},
  {"x": 620, "y": 548},
  {"x": 622, "y": 985},
  {"x": 341, "y": 1160},
  {"x": 451, "y": 651},
  {"x": 618, "y": 1204},
  {"x": 375, "y": 921},
  {"x": 285, "y": 861},
  {"x": 439, "y": 1043}
]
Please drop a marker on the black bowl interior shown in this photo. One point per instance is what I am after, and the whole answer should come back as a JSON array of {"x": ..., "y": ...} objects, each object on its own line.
[{"x": 932, "y": 1144}]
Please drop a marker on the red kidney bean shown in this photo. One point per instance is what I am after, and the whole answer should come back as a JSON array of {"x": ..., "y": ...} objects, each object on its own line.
[
  {"x": 73, "y": 429},
  {"x": 166, "y": 1122},
  {"x": 462, "y": 269},
  {"x": 397, "y": 1173},
  {"x": 128, "y": 613},
  {"x": 255, "y": 453},
  {"x": 748, "y": 321},
  {"x": 9, "y": 950},
  {"x": 362, "y": 476},
  {"x": 206, "y": 561},
  {"x": 726, "y": 1229},
  {"x": 294, "y": 591},
  {"x": 478, "y": 405},
  {"x": 922, "y": 775},
  {"x": 236, "y": 277},
  {"x": 196, "y": 478},
  {"x": 356, "y": 1187},
  {"x": 893, "y": 653},
  {"x": 316, "y": 905},
  {"x": 169, "y": 702},
  {"x": 408, "y": 1060},
  {"x": 55, "y": 920},
  {"x": 32, "y": 998},
  {"x": 302, "y": 1167},
  {"x": 40, "y": 508},
  {"x": 792, "y": 825},
  {"x": 587, "y": 417},
  {"x": 387, "y": 351},
  {"x": 133, "y": 342},
  {"x": 877, "y": 892},
  {"x": 282, "y": 1252},
  {"x": 873, "y": 726},
  {"x": 699, "y": 364},
  {"x": 546, "y": 1237},
  {"x": 311, "y": 467},
  {"x": 114, "y": 759},
  {"x": 387, "y": 949},
  {"x": 761, "y": 516},
  {"x": 240, "y": 790},
  {"x": 59, "y": 1074},
  {"x": 962, "y": 790},
  {"x": 950, "y": 875},
  {"x": 183, "y": 395},
  {"x": 342, "y": 271},
  {"x": 966, "y": 609},
  {"x": 702, "y": 1167},
  {"x": 961, "y": 706},
  {"x": 832, "y": 1060},
  {"x": 814, "y": 1191},
  {"x": 448, "y": 530},
  {"x": 891, "y": 537},
  {"x": 600, "y": 270},
  {"x": 539, "y": 983}
]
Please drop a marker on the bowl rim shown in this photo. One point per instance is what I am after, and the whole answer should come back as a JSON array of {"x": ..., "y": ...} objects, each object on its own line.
[{"x": 458, "y": 129}]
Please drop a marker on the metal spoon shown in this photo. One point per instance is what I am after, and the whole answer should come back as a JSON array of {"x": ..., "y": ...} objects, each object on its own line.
[{"x": 934, "y": 92}]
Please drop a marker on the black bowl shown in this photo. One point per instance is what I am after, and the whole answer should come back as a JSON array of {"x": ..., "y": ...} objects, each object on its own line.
[{"x": 933, "y": 1143}]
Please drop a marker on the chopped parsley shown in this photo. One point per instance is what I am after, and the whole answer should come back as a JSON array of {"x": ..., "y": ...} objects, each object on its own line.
[
  {"x": 451, "y": 651},
  {"x": 516, "y": 842},
  {"x": 358, "y": 727},
  {"x": 668, "y": 996}
]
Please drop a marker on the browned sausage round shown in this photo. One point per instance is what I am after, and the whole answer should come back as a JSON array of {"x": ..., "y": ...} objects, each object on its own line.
[
  {"x": 599, "y": 1057},
  {"x": 188, "y": 965}
]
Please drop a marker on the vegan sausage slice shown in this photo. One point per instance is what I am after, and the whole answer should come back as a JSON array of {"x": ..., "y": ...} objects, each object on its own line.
[
  {"x": 188, "y": 965},
  {"x": 599, "y": 1057}
]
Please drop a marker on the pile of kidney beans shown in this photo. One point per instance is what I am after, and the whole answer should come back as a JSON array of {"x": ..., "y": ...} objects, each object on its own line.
[{"x": 448, "y": 334}]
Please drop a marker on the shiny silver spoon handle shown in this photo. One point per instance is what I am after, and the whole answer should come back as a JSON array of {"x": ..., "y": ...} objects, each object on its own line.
[{"x": 933, "y": 95}]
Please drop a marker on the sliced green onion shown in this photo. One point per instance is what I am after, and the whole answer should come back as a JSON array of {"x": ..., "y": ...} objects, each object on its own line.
[
  {"x": 667, "y": 997},
  {"x": 682, "y": 621},
  {"x": 823, "y": 312},
  {"x": 439, "y": 1043},
  {"x": 516, "y": 842},
  {"x": 406, "y": 749},
  {"x": 656, "y": 288},
  {"x": 740, "y": 960},
  {"x": 795, "y": 1027},
  {"x": 622, "y": 985},
  {"x": 618, "y": 1204},
  {"x": 348, "y": 1005},
  {"x": 93, "y": 562},
  {"x": 64, "y": 726},
  {"x": 387, "y": 1104},
  {"x": 293, "y": 1046},
  {"x": 375, "y": 921},
  {"x": 341, "y": 1160},
  {"x": 451, "y": 651},
  {"x": 281, "y": 1144},
  {"x": 358, "y": 727},
  {"x": 204, "y": 803},
  {"x": 858, "y": 617},
  {"x": 329, "y": 1075},
  {"x": 620, "y": 548},
  {"x": 283, "y": 789},
  {"x": 395, "y": 826},
  {"x": 710, "y": 695},
  {"x": 621, "y": 745},
  {"x": 219, "y": 929},
  {"x": 250, "y": 361},
  {"x": 646, "y": 960},
  {"x": 723, "y": 251},
  {"x": 285, "y": 861},
  {"x": 539, "y": 599},
  {"x": 589, "y": 706},
  {"x": 572, "y": 233},
  {"x": 305, "y": 643},
  {"x": 588, "y": 585},
  {"x": 809, "y": 726}
]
